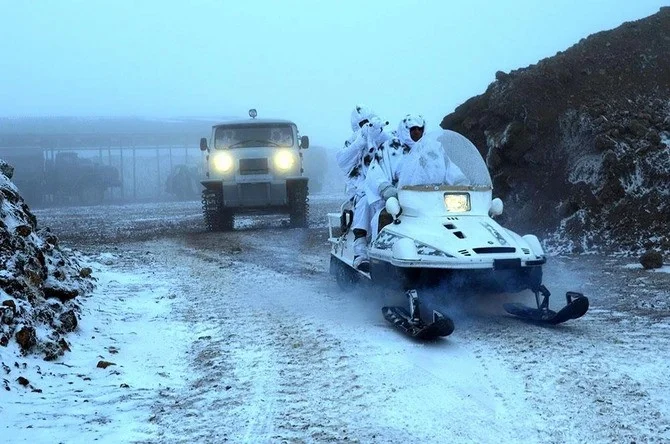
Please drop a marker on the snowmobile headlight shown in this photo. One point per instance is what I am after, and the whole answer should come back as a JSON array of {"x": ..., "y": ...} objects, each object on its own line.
[
  {"x": 457, "y": 202},
  {"x": 223, "y": 162},
  {"x": 284, "y": 160}
]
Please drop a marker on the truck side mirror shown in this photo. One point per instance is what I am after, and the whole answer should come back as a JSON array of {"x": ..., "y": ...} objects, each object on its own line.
[
  {"x": 203, "y": 144},
  {"x": 304, "y": 142}
]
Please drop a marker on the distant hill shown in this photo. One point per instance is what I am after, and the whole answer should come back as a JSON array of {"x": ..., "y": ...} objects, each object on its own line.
[{"x": 579, "y": 143}]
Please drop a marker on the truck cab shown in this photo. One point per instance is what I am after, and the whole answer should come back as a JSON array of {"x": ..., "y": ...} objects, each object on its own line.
[{"x": 254, "y": 166}]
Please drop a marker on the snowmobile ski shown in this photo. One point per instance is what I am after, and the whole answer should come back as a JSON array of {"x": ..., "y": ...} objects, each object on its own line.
[
  {"x": 402, "y": 320},
  {"x": 577, "y": 306}
]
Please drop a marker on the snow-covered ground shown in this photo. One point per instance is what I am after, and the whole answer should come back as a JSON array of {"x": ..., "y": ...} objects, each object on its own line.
[
  {"x": 244, "y": 337},
  {"x": 126, "y": 322}
]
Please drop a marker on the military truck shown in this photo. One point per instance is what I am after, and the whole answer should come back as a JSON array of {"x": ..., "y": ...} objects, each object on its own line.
[
  {"x": 254, "y": 166},
  {"x": 64, "y": 179},
  {"x": 72, "y": 179}
]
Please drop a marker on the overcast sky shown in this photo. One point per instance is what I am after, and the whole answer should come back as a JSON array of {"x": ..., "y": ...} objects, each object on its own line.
[{"x": 308, "y": 61}]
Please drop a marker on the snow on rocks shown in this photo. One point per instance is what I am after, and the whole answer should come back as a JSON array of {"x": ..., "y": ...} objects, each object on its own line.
[
  {"x": 39, "y": 280},
  {"x": 578, "y": 144}
]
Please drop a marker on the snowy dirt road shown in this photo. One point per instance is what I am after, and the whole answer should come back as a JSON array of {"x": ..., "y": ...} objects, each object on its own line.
[{"x": 257, "y": 344}]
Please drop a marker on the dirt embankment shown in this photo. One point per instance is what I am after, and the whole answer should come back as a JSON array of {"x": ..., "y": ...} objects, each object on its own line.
[{"x": 579, "y": 143}]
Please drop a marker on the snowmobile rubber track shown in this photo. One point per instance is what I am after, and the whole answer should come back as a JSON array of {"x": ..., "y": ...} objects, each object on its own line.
[
  {"x": 401, "y": 319},
  {"x": 576, "y": 308}
]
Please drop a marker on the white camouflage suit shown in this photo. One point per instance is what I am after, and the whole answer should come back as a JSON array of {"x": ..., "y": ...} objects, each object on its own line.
[
  {"x": 402, "y": 161},
  {"x": 354, "y": 158}
]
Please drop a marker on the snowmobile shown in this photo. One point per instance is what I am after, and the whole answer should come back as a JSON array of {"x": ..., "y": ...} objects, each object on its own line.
[{"x": 441, "y": 237}]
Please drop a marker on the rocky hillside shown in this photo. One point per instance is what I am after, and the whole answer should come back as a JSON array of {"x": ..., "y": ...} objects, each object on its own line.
[
  {"x": 39, "y": 281},
  {"x": 579, "y": 143}
]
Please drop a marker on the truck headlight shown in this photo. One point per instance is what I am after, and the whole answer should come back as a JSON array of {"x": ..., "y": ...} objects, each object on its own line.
[
  {"x": 457, "y": 202},
  {"x": 284, "y": 160},
  {"x": 223, "y": 162}
]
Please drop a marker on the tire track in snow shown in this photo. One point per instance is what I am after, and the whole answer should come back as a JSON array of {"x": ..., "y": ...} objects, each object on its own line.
[
  {"x": 256, "y": 361},
  {"x": 462, "y": 377}
]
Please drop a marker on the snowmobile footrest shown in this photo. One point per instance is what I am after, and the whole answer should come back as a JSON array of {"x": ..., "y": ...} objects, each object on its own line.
[{"x": 401, "y": 319}]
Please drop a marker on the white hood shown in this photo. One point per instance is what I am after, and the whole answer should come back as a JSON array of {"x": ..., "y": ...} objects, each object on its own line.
[{"x": 409, "y": 121}]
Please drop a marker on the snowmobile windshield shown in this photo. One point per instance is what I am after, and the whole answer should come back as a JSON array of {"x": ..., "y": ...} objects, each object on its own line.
[
  {"x": 242, "y": 136},
  {"x": 444, "y": 158}
]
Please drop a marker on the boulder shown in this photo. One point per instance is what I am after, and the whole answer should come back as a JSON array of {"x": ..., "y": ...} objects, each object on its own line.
[
  {"x": 26, "y": 337},
  {"x": 651, "y": 259}
]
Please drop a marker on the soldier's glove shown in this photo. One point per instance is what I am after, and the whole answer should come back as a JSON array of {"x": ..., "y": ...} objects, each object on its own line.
[
  {"x": 386, "y": 191},
  {"x": 374, "y": 132}
]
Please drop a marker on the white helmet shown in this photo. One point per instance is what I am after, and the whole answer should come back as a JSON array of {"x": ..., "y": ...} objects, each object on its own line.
[
  {"x": 359, "y": 114},
  {"x": 409, "y": 121}
]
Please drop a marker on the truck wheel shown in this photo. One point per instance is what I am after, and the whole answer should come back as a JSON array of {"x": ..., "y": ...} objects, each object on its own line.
[
  {"x": 226, "y": 220},
  {"x": 217, "y": 218},
  {"x": 298, "y": 206}
]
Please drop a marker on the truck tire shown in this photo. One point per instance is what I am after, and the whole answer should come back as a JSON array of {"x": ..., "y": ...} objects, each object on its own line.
[
  {"x": 298, "y": 203},
  {"x": 217, "y": 218}
]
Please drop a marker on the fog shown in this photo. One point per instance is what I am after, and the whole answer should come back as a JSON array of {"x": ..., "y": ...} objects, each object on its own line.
[{"x": 309, "y": 62}]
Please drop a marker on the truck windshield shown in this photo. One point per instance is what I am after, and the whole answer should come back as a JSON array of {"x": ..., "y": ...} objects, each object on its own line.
[{"x": 253, "y": 135}]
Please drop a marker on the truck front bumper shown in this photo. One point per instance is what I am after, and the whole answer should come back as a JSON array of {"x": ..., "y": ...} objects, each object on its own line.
[
  {"x": 245, "y": 194},
  {"x": 255, "y": 194}
]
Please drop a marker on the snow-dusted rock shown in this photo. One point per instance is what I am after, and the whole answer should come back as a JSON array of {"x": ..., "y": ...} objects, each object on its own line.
[
  {"x": 6, "y": 169},
  {"x": 579, "y": 144},
  {"x": 39, "y": 281},
  {"x": 651, "y": 259}
]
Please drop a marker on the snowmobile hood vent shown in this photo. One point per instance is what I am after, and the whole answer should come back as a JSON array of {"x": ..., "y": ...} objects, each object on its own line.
[
  {"x": 494, "y": 250},
  {"x": 464, "y": 252},
  {"x": 525, "y": 250}
]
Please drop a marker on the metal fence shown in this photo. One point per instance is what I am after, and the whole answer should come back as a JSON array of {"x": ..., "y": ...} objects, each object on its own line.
[{"x": 143, "y": 161}]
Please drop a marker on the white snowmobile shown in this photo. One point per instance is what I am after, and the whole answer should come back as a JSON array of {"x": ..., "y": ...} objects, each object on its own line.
[{"x": 444, "y": 237}]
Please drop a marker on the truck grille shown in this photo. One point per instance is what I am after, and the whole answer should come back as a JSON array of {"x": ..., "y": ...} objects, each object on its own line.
[{"x": 254, "y": 166}]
